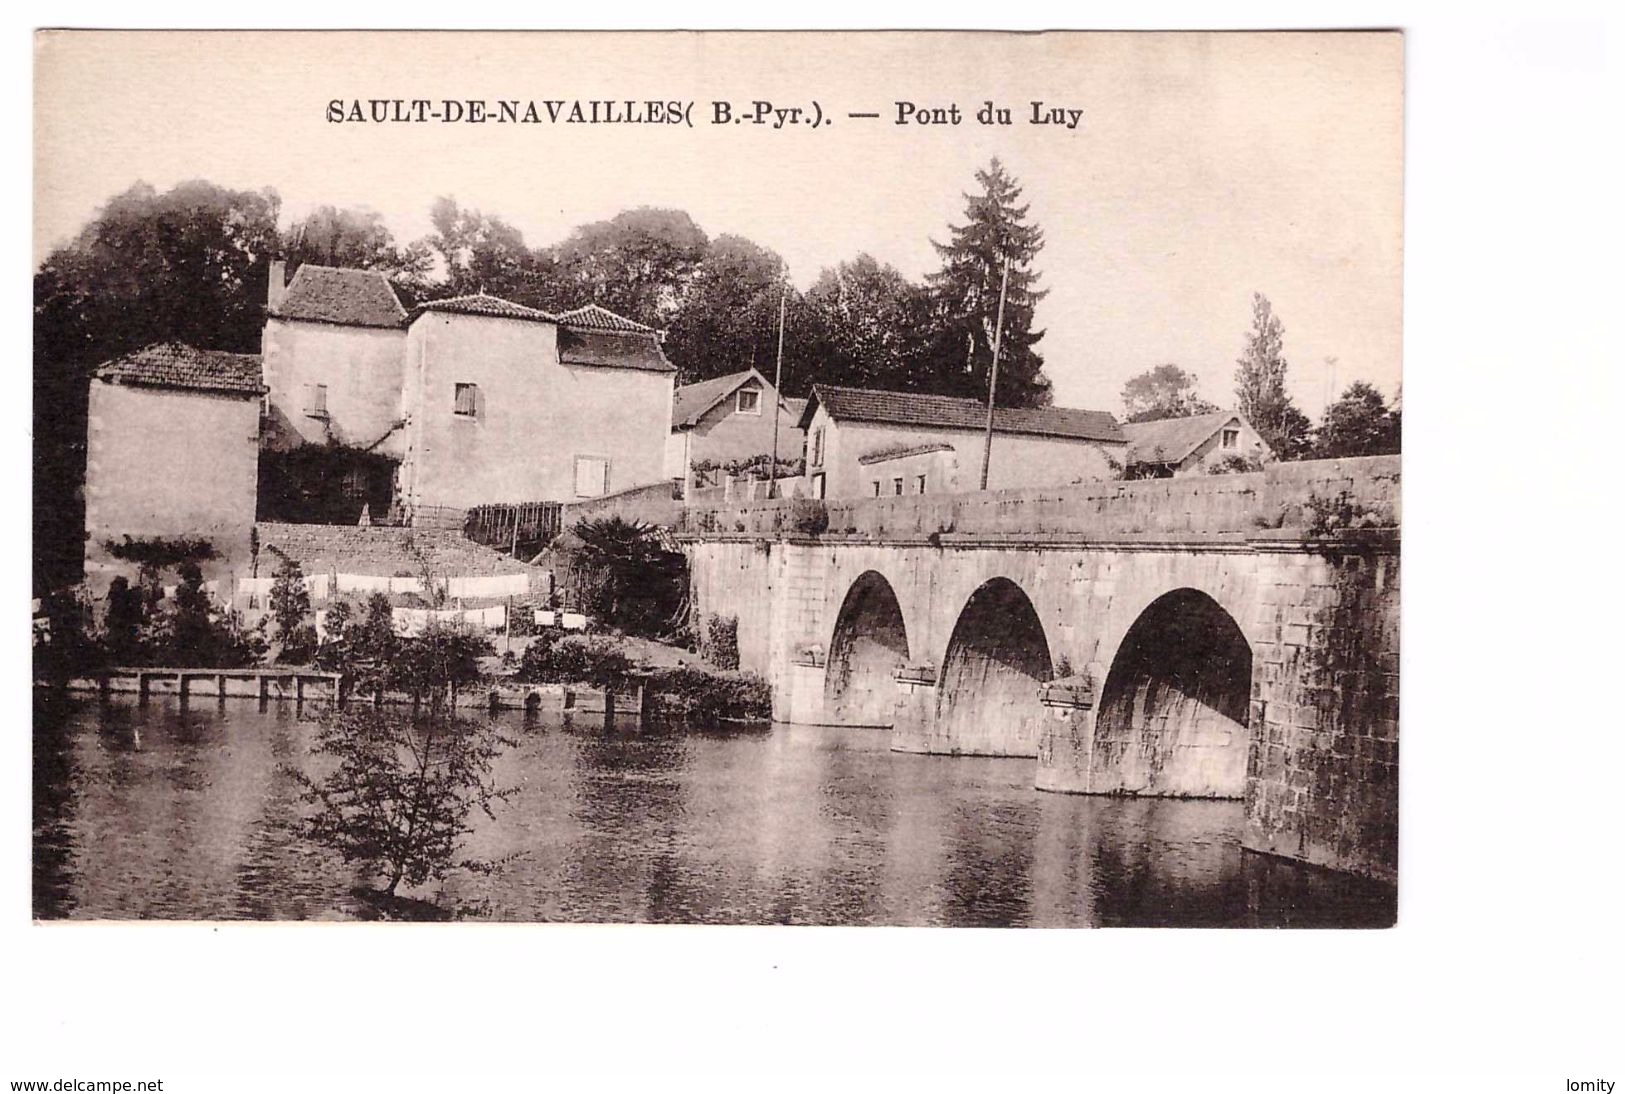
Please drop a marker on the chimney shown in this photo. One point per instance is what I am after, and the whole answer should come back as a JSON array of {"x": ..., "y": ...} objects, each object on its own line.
[{"x": 278, "y": 285}]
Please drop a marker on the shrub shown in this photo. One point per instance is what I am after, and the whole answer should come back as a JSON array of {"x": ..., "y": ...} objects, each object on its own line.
[
  {"x": 439, "y": 663},
  {"x": 808, "y": 516},
  {"x": 1341, "y": 513},
  {"x": 708, "y": 696},
  {"x": 720, "y": 643},
  {"x": 574, "y": 659},
  {"x": 1235, "y": 463}
]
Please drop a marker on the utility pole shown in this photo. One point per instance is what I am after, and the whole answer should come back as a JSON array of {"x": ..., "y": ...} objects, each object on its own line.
[
  {"x": 778, "y": 379},
  {"x": 993, "y": 372}
]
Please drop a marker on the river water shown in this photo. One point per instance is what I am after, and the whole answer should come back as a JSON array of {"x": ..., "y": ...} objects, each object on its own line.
[{"x": 172, "y": 812}]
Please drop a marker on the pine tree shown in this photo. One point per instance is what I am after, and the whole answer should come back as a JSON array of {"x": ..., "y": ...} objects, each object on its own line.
[
  {"x": 1261, "y": 386},
  {"x": 965, "y": 297}
]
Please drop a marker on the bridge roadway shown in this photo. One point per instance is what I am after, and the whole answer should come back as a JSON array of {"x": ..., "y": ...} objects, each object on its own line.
[{"x": 1192, "y": 637}]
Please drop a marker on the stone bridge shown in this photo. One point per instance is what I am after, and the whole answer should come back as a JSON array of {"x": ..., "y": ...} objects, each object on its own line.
[{"x": 1229, "y": 636}]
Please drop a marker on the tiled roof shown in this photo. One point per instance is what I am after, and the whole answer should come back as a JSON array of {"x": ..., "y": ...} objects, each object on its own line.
[
  {"x": 1170, "y": 440},
  {"x": 897, "y": 452},
  {"x": 947, "y": 412},
  {"x": 492, "y": 306},
  {"x": 605, "y": 349},
  {"x": 691, "y": 401},
  {"x": 354, "y": 298},
  {"x": 177, "y": 365},
  {"x": 592, "y": 317}
]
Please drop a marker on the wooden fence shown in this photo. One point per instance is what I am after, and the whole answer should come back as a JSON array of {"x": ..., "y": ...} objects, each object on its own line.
[{"x": 529, "y": 525}]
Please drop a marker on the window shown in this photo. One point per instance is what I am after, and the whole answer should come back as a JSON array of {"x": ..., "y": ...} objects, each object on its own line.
[
  {"x": 919, "y": 484},
  {"x": 592, "y": 476},
  {"x": 897, "y": 486},
  {"x": 877, "y": 487},
  {"x": 818, "y": 485},
  {"x": 817, "y": 448},
  {"x": 1229, "y": 436},
  {"x": 467, "y": 400},
  {"x": 750, "y": 401},
  {"x": 316, "y": 400}
]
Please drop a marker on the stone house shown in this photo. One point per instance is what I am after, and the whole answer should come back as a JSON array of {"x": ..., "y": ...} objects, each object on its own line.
[
  {"x": 874, "y": 443},
  {"x": 730, "y": 418},
  {"x": 459, "y": 402},
  {"x": 506, "y": 403},
  {"x": 1189, "y": 446},
  {"x": 173, "y": 453}
]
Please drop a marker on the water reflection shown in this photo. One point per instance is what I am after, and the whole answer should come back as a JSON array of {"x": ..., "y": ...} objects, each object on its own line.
[{"x": 170, "y": 811}]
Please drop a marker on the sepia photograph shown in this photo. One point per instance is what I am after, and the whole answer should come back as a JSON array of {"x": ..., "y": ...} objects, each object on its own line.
[{"x": 910, "y": 479}]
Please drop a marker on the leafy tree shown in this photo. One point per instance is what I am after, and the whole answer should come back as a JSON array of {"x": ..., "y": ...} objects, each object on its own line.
[
  {"x": 361, "y": 642},
  {"x": 1166, "y": 391},
  {"x": 965, "y": 297},
  {"x": 1359, "y": 423},
  {"x": 189, "y": 264},
  {"x": 638, "y": 263},
  {"x": 124, "y": 613},
  {"x": 290, "y": 609},
  {"x": 1261, "y": 394},
  {"x": 400, "y": 797},
  {"x": 481, "y": 253},
  {"x": 439, "y": 663},
  {"x": 866, "y": 325},
  {"x": 729, "y": 317}
]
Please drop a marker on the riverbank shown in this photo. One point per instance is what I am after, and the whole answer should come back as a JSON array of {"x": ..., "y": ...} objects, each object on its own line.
[{"x": 600, "y": 674}]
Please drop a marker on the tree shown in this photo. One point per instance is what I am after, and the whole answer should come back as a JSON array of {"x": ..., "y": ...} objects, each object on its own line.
[
  {"x": 190, "y": 265},
  {"x": 1359, "y": 423},
  {"x": 638, "y": 263},
  {"x": 1261, "y": 395},
  {"x": 362, "y": 644},
  {"x": 626, "y": 574},
  {"x": 290, "y": 609},
  {"x": 359, "y": 239},
  {"x": 400, "y": 796},
  {"x": 1166, "y": 391},
  {"x": 439, "y": 663},
  {"x": 482, "y": 253},
  {"x": 729, "y": 316},
  {"x": 965, "y": 297},
  {"x": 864, "y": 324}
]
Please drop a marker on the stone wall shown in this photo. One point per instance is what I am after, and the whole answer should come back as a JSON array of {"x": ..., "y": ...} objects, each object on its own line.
[
  {"x": 654, "y": 504},
  {"x": 1323, "y": 773},
  {"x": 385, "y": 552},
  {"x": 1234, "y": 506}
]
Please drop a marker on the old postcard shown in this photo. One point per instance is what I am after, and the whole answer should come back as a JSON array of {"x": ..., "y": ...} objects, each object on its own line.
[{"x": 921, "y": 479}]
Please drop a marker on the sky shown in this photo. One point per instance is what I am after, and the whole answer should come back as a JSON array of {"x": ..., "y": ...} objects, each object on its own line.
[{"x": 1203, "y": 167}]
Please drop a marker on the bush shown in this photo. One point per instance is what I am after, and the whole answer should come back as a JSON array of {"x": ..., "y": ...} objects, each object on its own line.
[
  {"x": 1341, "y": 513},
  {"x": 574, "y": 659},
  {"x": 1235, "y": 463},
  {"x": 708, "y": 696},
  {"x": 439, "y": 663},
  {"x": 808, "y": 516},
  {"x": 720, "y": 643}
]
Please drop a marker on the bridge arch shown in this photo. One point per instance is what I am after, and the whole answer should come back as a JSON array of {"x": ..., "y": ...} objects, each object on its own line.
[
  {"x": 868, "y": 646},
  {"x": 1172, "y": 718},
  {"x": 997, "y": 658}
]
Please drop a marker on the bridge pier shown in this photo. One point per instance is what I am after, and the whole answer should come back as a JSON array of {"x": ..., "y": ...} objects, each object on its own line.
[{"x": 915, "y": 726}]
